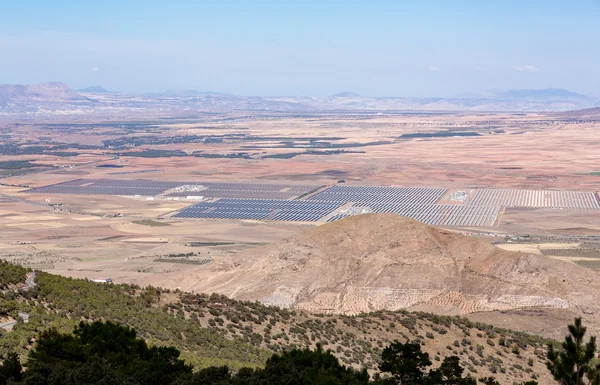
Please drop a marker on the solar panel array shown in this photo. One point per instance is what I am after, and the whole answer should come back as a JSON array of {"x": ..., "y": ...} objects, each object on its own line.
[
  {"x": 249, "y": 190},
  {"x": 260, "y": 209},
  {"x": 441, "y": 215},
  {"x": 108, "y": 187},
  {"x": 226, "y": 186},
  {"x": 381, "y": 194},
  {"x": 535, "y": 199},
  {"x": 337, "y": 217},
  {"x": 273, "y": 201},
  {"x": 153, "y": 188}
]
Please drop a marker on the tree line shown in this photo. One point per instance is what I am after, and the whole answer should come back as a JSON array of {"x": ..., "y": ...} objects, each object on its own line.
[{"x": 106, "y": 353}]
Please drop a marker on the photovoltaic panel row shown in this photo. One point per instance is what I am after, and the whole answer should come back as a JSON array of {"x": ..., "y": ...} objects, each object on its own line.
[
  {"x": 121, "y": 183},
  {"x": 441, "y": 215},
  {"x": 535, "y": 199},
  {"x": 382, "y": 194},
  {"x": 108, "y": 187},
  {"x": 261, "y": 209},
  {"x": 153, "y": 188},
  {"x": 237, "y": 194},
  {"x": 337, "y": 217},
  {"x": 264, "y": 203},
  {"x": 229, "y": 214},
  {"x": 300, "y": 216},
  {"x": 248, "y": 190},
  {"x": 273, "y": 187}
]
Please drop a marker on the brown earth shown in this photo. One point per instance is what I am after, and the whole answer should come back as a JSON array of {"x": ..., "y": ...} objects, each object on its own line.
[
  {"x": 587, "y": 112},
  {"x": 384, "y": 261}
]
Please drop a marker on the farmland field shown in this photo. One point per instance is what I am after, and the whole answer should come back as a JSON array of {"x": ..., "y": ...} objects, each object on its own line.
[{"x": 112, "y": 199}]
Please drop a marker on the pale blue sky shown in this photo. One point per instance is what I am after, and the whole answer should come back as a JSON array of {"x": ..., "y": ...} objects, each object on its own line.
[{"x": 378, "y": 48}]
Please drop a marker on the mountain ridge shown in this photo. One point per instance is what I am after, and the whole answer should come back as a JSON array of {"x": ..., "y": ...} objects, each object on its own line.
[
  {"x": 533, "y": 95},
  {"x": 50, "y": 99}
]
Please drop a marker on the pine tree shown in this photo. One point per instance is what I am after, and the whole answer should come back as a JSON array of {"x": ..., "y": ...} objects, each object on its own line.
[
  {"x": 406, "y": 363},
  {"x": 10, "y": 369},
  {"x": 450, "y": 373},
  {"x": 489, "y": 381},
  {"x": 573, "y": 365}
]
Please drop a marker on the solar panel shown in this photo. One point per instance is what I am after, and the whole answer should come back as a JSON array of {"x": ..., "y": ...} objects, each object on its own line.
[
  {"x": 381, "y": 194},
  {"x": 273, "y": 209},
  {"x": 153, "y": 188},
  {"x": 535, "y": 199}
]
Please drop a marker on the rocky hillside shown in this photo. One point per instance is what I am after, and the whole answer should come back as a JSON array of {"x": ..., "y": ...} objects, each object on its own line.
[
  {"x": 386, "y": 262},
  {"x": 45, "y": 99},
  {"x": 215, "y": 330}
]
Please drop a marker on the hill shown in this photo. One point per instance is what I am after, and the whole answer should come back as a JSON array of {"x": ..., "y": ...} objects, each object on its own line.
[
  {"x": 215, "y": 330},
  {"x": 44, "y": 91},
  {"x": 544, "y": 95},
  {"x": 346, "y": 94},
  {"x": 95, "y": 90},
  {"x": 377, "y": 262},
  {"x": 585, "y": 113},
  {"x": 547, "y": 95}
]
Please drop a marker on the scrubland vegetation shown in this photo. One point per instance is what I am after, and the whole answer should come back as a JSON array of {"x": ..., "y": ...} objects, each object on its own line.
[{"x": 211, "y": 339}]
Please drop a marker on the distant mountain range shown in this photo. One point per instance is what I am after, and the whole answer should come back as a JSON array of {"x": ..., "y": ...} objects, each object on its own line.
[
  {"x": 544, "y": 95},
  {"x": 49, "y": 99}
]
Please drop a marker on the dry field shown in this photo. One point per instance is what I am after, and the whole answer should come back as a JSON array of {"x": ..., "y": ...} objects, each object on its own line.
[
  {"x": 124, "y": 248},
  {"x": 90, "y": 236}
]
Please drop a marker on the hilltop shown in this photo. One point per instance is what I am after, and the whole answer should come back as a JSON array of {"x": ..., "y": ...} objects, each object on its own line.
[
  {"x": 95, "y": 89},
  {"x": 377, "y": 262}
]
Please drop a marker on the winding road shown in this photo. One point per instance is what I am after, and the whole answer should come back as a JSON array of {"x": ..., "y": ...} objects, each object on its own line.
[
  {"x": 29, "y": 284},
  {"x": 8, "y": 325},
  {"x": 30, "y": 281}
]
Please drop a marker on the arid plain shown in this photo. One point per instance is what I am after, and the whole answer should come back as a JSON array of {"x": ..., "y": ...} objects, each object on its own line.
[{"x": 137, "y": 238}]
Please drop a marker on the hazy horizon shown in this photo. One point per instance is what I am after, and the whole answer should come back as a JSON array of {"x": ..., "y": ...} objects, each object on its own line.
[
  {"x": 465, "y": 95},
  {"x": 416, "y": 49}
]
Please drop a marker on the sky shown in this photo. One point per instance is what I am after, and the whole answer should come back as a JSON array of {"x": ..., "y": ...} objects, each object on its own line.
[{"x": 282, "y": 48}]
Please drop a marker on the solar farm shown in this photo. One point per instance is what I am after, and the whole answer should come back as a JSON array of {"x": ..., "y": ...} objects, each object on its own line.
[
  {"x": 261, "y": 209},
  {"x": 381, "y": 194},
  {"x": 250, "y": 190},
  {"x": 441, "y": 214},
  {"x": 419, "y": 203},
  {"x": 318, "y": 204},
  {"x": 152, "y": 188},
  {"x": 536, "y": 199},
  {"x": 108, "y": 187}
]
